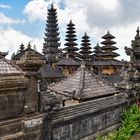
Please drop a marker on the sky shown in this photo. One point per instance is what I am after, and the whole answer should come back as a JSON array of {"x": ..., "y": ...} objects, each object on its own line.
[{"x": 23, "y": 21}]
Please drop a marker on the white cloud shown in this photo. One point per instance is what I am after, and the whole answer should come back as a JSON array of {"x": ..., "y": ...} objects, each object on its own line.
[
  {"x": 5, "y": 6},
  {"x": 7, "y": 20},
  {"x": 94, "y": 17},
  {"x": 36, "y": 10},
  {"x": 124, "y": 36},
  {"x": 11, "y": 39}
]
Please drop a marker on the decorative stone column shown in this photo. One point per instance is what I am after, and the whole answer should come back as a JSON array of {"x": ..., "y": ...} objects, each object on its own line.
[
  {"x": 30, "y": 63},
  {"x": 130, "y": 84}
]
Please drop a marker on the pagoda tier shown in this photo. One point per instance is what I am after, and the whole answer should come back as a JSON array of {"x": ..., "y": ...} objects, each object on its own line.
[
  {"x": 51, "y": 44},
  {"x": 108, "y": 36},
  {"x": 108, "y": 48},
  {"x": 105, "y": 62},
  {"x": 108, "y": 54},
  {"x": 70, "y": 50},
  {"x": 108, "y": 42},
  {"x": 85, "y": 50},
  {"x": 97, "y": 52}
]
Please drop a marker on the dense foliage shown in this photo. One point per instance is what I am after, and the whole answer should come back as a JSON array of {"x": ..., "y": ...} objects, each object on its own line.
[{"x": 130, "y": 125}]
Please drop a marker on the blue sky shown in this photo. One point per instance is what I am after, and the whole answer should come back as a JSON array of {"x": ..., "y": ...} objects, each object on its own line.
[
  {"x": 24, "y": 20},
  {"x": 16, "y": 12}
]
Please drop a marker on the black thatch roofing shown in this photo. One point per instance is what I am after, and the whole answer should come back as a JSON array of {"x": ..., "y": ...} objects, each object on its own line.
[
  {"x": 83, "y": 84},
  {"x": 46, "y": 71},
  {"x": 106, "y": 42},
  {"x": 107, "y": 54},
  {"x": 51, "y": 44},
  {"x": 109, "y": 62},
  {"x": 70, "y": 41},
  {"x": 67, "y": 62},
  {"x": 109, "y": 47},
  {"x": 108, "y": 36}
]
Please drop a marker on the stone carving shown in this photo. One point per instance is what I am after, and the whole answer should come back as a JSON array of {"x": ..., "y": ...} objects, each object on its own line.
[{"x": 11, "y": 105}]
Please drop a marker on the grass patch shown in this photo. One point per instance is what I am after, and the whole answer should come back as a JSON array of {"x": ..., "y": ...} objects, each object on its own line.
[{"x": 130, "y": 125}]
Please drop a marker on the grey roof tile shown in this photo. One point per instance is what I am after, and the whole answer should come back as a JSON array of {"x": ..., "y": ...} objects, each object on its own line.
[
  {"x": 83, "y": 84},
  {"x": 20, "y": 54},
  {"x": 67, "y": 62},
  {"x": 7, "y": 68}
]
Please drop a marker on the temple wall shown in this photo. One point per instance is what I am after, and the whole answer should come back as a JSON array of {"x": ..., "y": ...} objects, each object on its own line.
[
  {"x": 15, "y": 122},
  {"x": 11, "y": 104},
  {"x": 22, "y": 128},
  {"x": 83, "y": 126}
]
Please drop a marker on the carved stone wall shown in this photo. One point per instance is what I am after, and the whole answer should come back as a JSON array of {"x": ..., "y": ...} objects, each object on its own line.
[
  {"x": 15, "y": 97},
  {"x": 15, "y": 123},
  {"x": 22, "y": 128},
  {"x": 11, "y": 104},
  {"x": 87, "y": 126},
  {"x": 32, "y": 95},
  {"x": 12, "y": 97}
]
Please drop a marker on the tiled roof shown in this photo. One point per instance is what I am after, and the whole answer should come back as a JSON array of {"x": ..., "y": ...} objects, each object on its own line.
[
  {"x": 83, "y": 84},
  {"x": 114, "y": 78},
  {"x": 20, "y": 54},
  {"x": 7, "y": 68},
  {"x": 47, "y": 71},
  {"x": 109, "y": 62},
  {"x": 67, "y": 62}
]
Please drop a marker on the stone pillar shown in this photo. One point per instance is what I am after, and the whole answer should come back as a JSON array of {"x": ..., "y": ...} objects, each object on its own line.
[
  {"x": 12, "y": 91},
  {"x": 30, "y": 63}
]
